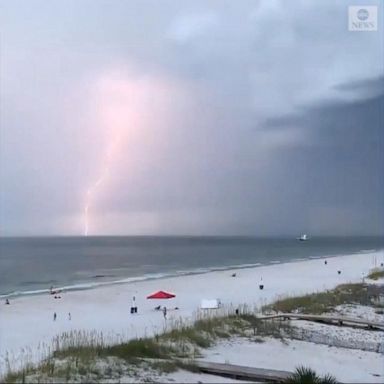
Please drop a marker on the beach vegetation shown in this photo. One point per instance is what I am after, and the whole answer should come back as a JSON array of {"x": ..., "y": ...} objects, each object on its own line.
[
  {"x": 376, "y": 274},
  {"x": 321, "y": 302},
  {"x": 93, "y": 356},
  {"x": 306, "y": 375},
  {"x": 138, "y": 349},
  {"x": 165, "y": 366}
]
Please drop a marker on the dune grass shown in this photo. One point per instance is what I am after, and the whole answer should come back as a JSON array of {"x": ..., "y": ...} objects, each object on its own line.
[
  {"x": 376, "y": 274},
  {"x": 129, "y": 351},
  {"x": 77, "y": 354},
  {"x": 322, "y": 302}
]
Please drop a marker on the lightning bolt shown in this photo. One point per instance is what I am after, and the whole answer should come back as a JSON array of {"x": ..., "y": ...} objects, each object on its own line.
[
  {"x": 89, "y": 197},
  {"x": 105, "y": 170},
  {"x": 121, "y": 99}
]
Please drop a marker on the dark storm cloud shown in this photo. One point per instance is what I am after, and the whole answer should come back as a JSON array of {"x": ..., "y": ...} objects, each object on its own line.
[
  {"x": 342, "y": 184},
  {"x": 364, "y": 87}
]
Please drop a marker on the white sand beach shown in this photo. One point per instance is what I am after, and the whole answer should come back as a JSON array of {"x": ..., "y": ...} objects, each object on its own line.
[{"x": 28, "y": 321}]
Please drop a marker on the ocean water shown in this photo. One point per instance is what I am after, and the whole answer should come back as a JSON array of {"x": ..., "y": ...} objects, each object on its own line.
[{"x": 32, "y": 265}]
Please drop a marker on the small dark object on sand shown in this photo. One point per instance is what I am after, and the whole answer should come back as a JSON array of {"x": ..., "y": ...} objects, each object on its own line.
[
  {"x": 261, "y": 286},
  {"x": 7, "y": 302},
  {"x": 339, "y": 272},
  {"x": 158, "y": 308},
  {"x": 233, "y": 274},
  {"x": 325, "y": 262}
]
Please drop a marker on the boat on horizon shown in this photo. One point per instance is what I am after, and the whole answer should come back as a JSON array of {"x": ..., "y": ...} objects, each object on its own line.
[{"x": 303, "y": 237}]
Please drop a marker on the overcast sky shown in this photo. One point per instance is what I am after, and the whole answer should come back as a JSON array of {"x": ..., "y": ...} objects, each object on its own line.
[{"x": 190, "y": 117}]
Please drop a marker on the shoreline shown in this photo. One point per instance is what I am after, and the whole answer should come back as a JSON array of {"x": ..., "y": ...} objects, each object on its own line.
[
  {"x": 92, "y": 285},
  {"x": 28, "y": 322}
]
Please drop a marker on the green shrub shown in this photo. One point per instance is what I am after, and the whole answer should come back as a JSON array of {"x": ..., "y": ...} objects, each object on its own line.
[
  {"x": 305, "y": 375},
  {"x": 317, "y": 303},
  {"x": 376, "y": 274},
  {"x": 139, "y": 348}
]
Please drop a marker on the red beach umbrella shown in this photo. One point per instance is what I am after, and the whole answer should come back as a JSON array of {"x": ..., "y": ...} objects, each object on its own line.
[{"x": 161, "y": 295}]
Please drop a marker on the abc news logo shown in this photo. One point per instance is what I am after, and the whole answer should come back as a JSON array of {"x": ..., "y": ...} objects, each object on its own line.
[{"x": 362, "y": 18}]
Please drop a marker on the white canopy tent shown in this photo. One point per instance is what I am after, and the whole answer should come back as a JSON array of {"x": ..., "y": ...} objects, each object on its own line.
[{"x": 210, "y": 303}]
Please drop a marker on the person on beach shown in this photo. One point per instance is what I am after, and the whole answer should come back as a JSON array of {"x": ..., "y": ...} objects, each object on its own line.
[
  {"x": 54, "y": 316},
  {"x": 165, "y": 313},
  {"x": 7, "y": 302},
  {"x": 134, "y": 307},
  {"x": 69, "y": 316}
]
